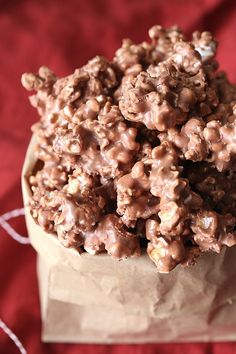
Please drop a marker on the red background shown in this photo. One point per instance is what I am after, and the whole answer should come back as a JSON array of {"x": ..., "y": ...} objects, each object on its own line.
[{"x": 64, "y": 34}]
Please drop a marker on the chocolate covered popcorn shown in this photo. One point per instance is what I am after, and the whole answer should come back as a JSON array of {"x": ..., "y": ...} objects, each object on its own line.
[{"x": 138, "y": 152}]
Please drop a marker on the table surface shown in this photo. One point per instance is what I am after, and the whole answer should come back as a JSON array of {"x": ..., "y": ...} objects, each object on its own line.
[{"x": 64, "y": 35}]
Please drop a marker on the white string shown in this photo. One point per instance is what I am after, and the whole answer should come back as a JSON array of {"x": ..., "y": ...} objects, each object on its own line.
[
  {"x": 23, "y": 240},
  {"x": 11, "y": 232},
  {"x": 13, "y": 337}
]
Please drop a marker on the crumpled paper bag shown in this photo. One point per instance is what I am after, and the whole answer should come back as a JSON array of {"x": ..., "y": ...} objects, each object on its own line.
[{"x": 96, "y": 299}]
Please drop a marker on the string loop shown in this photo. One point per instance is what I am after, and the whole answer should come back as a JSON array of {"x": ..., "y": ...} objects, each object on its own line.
[{"x": 9, "y": 229}]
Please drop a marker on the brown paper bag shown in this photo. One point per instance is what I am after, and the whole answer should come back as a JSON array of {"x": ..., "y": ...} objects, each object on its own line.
[{"x": 96, "y": 299}]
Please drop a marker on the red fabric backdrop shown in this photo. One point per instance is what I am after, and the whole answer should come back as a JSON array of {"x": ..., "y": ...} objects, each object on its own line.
[{"x": 64, "y": 35}]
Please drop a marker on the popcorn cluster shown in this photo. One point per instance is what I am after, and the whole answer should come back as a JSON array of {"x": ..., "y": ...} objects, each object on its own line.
[{"x": 139, "y": 151}]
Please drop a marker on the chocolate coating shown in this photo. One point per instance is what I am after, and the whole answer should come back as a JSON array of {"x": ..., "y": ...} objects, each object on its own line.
[{"x": 140, "y": 148}]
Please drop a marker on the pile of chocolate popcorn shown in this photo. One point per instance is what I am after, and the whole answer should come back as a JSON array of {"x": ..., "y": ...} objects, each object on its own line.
[{"x": 139, "y": 151}]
